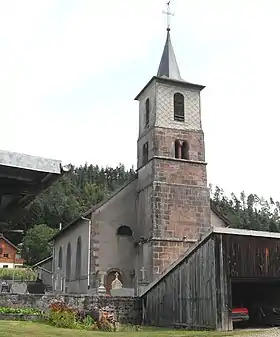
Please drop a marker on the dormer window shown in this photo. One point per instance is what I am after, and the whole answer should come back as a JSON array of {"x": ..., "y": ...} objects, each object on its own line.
[
  {"x": 179, "y": 107},
  {"x": 147, "y": 112}
]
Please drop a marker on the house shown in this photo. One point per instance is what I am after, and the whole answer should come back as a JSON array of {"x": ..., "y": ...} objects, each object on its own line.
[{"x": 9, "y": 254}]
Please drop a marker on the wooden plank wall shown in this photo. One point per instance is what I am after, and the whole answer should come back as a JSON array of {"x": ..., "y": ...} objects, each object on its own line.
[
  {"x": 186, "y": 296},
  {"x": 223, "y": 287},
  {"x": 251, "y": 257}
]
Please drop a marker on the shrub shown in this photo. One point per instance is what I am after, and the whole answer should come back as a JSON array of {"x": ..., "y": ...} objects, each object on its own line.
[
  {"x": 105, "y": 325},
  {"x": 62, "y": 316},
  {"x": 88, "y": 323},
  {"x": 17, "y": 274},
  {"x": 63, "y": 319},
  {"x": 22, "y": 311}
]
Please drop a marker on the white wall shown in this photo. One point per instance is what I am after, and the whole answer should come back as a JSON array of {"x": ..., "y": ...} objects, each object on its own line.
[
  {"x": 80, "y": 229},
  {"x": 216, "y": 221},
  {"x": 10, "y": 265},
  {"x": 165, "y": 107}
]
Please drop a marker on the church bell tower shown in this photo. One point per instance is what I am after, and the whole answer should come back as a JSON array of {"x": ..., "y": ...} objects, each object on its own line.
[{"x": 173, "y": 201}]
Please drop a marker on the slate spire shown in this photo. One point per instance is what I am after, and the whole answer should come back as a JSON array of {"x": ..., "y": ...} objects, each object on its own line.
[{"x": 168, "y": 65}]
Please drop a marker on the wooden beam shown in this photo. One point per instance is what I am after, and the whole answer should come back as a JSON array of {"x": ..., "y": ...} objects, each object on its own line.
[{"x": 19, "y": 189}]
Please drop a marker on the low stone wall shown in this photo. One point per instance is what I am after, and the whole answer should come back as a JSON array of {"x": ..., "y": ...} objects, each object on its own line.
[{"x": 127, "y": 309}]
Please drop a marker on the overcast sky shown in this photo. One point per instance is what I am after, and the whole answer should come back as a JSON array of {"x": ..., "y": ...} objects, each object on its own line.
[{"x": 70, "y": 69}]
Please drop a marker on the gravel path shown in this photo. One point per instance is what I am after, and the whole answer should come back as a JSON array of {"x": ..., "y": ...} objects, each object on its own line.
[{"x": 274, "y": 332}]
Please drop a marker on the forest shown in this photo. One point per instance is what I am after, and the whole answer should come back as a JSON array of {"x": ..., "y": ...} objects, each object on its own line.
[{"x": 87, "y": 185}]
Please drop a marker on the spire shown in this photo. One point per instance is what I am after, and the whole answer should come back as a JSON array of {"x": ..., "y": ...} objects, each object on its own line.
[{"x": 168, "y": 65}]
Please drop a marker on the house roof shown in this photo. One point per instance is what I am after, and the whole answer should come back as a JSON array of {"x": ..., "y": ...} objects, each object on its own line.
[
  {"x": 42, "y": 262},
  {"x": 8, "y": 242},
  {"x": 216, "y": 230},
  {"x": 22, "y": 178}
]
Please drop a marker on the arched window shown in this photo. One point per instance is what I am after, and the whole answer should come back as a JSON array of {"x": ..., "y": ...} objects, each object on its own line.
[
  {"x": 78, "y": 258},
  {"x": 147, "y": 114},
  {"x": 185, "y": 150},
  {"x": 181, "y": 149},
  {"x": 68, "y": 262},
  {"x": 60, "y": 258},
  {"x": 124, "y": 231},
  {"x": 177, "y": 149},
  {"x": 145, "y": 153},
  {"x": 179, "y": 107}
]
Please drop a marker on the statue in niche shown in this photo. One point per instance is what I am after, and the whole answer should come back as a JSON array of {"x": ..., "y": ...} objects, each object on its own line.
[{"x": 116, "y": 284}]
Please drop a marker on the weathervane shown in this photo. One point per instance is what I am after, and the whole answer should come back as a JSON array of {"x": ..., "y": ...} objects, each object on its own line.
[{"x": 168, "y": 13}]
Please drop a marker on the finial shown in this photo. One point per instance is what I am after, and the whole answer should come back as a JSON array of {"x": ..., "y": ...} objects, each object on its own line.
[{"x": 168, "y": 13}]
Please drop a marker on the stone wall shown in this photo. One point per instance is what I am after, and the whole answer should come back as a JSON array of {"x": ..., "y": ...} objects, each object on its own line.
[
  {"x": 164, "y": 146},
  {"x": 127, "y": 309}
]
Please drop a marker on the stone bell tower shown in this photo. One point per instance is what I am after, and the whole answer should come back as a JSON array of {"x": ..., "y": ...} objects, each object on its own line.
[{"x": 173, "y": 201}]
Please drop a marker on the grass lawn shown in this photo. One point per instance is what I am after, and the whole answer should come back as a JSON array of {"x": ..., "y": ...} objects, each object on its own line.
[{"x": 28, "y": 329}]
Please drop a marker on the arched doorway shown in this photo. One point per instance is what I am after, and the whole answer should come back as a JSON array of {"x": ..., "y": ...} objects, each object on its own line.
[{"x": 110, "y": 278}]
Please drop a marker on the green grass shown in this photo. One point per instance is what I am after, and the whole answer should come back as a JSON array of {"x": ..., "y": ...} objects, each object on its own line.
[{"x": 28, "y": 329}]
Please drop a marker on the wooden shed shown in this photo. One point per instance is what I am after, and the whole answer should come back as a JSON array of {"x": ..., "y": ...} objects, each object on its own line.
[{"x": 227, "y": 268}]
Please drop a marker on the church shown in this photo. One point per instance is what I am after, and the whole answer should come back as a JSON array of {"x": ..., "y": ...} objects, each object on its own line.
[{"x": 147, "y": 224}]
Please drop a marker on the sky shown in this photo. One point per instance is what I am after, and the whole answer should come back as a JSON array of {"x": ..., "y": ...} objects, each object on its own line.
[{"x": 70, "y": 69}]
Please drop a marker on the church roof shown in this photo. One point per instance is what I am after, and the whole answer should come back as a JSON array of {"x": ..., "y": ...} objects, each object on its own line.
[
  {"x": 168, "y": 71},
  {"x": 170, "y": 81},
  {"x": 93, "y": 209},
  {"x": 168, "y": 64},
  {"x": 216, "y": 210},
  {"x": 42, "y": 262}
]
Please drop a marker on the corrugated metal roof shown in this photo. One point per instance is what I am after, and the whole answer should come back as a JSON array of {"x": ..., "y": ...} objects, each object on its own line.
[{"x": 246, "y": 232}]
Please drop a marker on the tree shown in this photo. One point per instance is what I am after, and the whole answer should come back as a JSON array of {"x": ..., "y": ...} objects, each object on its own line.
[
  {"x": 248, "y": 212},
  {"x": 68, "y": 198},
  {"x": 36, "y": 245}
]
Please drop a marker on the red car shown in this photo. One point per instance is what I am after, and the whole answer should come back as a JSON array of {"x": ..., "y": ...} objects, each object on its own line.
[{"x": 239, "y": 315}]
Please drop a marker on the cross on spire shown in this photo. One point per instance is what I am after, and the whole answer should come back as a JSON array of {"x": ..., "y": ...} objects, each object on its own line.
[
  {"x": 168, "y": 14},
  {"x": 168, "y": 65}
]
